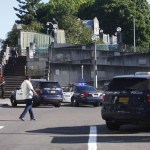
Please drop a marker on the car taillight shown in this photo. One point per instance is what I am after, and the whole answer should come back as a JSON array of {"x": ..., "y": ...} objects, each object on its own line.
[
  {"x": 39, "y": 91},
  {"x": 148, "y": 98},
  {"x": 104, "y": 97},
  {"x": 85, "y": 94}
]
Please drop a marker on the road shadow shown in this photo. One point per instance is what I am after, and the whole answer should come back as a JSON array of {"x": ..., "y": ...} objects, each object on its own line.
[{"x": 80, "y": 134}]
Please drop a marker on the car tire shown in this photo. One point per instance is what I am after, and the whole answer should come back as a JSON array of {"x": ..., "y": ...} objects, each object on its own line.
[
  {"x": 35, "y": 104},
  {"x": 112, "y": 125},
  {"x": 58, "y": 104},
  {"x": 13, "y": 102},
  {"x": 74, "y": 102},
  {"x": 96, "y": 104}
]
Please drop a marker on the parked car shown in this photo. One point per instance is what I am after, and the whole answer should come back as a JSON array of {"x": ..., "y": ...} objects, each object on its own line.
[
  {"x": 49, "y": 92},
  {"x": 81, "y": 93},
  {"x": 67, "y": 94},
  {"x": 127, "y": 101}
]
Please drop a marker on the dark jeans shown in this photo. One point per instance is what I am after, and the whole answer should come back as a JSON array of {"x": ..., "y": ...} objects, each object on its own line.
[
  {"x": 2, "y": 91},
  {"x": 14, "y": 60},
  {"x": 28, "y": 108}
]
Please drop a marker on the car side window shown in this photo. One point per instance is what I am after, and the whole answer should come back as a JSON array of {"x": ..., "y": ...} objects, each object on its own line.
[
  {"x": 36, "y": 85},
  {"x": 33, "y": 84},
  {"x": 71, "y": 89},
  {"x": 74, "y": 89}
]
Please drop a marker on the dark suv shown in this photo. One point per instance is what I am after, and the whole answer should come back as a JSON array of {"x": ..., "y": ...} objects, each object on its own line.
[
  {"x": 49, "y": 92},
  {"x": 127, "y": 101}
]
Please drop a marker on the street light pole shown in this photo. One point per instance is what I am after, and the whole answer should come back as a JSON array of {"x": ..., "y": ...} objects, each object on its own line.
[
  {"x": 55, "y": 28},
  {"x": 82, "y": 71},
  {"x": 56, "y": 22},
  {"x": 101, "y": 34},
  {"x": 119, "y": 38},
  {"x": 134, "y": 42},
  {"x": 47, "y": 31},
  {"x": 94, "y": 38},
  {"x": 95, "y": 63},
  {"x": 134, "y": 34}
]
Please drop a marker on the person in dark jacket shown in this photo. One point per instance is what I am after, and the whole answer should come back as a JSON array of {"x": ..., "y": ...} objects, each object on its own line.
[{"x": 14, "y": 55}]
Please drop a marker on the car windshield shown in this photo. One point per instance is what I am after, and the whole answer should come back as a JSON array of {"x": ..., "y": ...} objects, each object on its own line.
[
  {"x": 129, "y": 84},
  {"x": 85, "y": 89},
  {"x": 50, "y": 85}
]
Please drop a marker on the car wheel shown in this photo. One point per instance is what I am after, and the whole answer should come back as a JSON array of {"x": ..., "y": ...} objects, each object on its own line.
[
  {"x": 96, "y": 104},
  {"x": 58, "y": 104},
  {"x": 112, "y": 125},
  {"x": 35, "y": 104},
  {"x": 74, "y": 102},
  {"x": 13, "y": 102}
]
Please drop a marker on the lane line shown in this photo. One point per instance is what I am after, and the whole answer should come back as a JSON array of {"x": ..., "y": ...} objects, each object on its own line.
[
  {"x": 92, "y": 143},
  {"x": 1, "y": 127}
]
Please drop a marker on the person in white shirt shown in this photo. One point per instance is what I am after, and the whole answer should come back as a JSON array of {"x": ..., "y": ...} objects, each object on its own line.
[{"x": 28, "y": 92}]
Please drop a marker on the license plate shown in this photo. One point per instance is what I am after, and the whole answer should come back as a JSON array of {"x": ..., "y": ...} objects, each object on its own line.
[
  {"x": 95, "y": 95},
  {"x": 52, "y": 92},
  {"x": 123, "y": 99},
  {"x": 67, "y": 95}
]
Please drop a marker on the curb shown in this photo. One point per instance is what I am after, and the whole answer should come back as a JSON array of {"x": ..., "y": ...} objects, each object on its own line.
[{"x": 1, "y": 105}]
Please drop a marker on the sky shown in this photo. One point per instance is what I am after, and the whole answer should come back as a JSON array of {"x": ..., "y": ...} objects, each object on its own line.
[{"x": 8, "y": 17}]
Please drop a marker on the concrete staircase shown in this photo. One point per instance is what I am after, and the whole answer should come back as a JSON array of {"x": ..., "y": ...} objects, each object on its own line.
[
  {"x": 14, "y": 75},
  {"x": 12, "y": 82},
  {"x": 18, "y": 69}
]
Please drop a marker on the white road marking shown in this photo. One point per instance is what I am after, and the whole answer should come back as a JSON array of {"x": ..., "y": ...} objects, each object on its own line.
[
  {"x": 92, "y": 143},
  {"x": 1, "y": 127}
]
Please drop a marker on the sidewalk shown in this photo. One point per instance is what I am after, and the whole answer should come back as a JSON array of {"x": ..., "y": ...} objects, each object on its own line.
[{"x": 5, "y": 102}]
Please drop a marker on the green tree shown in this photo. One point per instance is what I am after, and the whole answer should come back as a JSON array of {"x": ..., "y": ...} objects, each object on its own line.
[
  {"x": 33, "y": 16},
  {"x": 12, "y": 37},
  {"x": 76, "y": 32},
  {"x": 1, "y": 43},
  {"x": 27, "y": 11},
  {"x": 57, "y": 9},
  {"x": 65, "y": 7},
  {"x": 34, "y": 26},
  {"x": 118, "y": 13}
]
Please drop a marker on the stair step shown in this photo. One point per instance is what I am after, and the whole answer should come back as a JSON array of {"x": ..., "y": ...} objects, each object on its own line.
[
  {"x": 18, "y": 69},
  {"x": 14, "y": 76},
  {"x": 12, "y": 82}
]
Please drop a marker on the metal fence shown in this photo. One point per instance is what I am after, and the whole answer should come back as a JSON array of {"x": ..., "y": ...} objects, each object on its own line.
[{"x": 38, "y": 42}]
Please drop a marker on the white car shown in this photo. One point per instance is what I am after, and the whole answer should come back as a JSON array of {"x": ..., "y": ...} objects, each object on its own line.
[
  {"x": 67, "y": 94},
  {"x": 17, "y": 97}
]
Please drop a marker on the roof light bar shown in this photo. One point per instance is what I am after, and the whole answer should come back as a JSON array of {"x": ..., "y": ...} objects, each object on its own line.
[{"x": 142, "y": 73}]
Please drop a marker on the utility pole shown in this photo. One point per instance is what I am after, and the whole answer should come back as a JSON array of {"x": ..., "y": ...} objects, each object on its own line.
[{"x": 94, "y": 39}]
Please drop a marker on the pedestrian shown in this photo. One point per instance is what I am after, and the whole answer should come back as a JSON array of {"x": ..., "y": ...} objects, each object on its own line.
[
  {"x": 2, "y": 87},
  {"x": 28, "y": 92},
  {"x": 4, "y": 61},
  {"x": 14, "y": 55}
]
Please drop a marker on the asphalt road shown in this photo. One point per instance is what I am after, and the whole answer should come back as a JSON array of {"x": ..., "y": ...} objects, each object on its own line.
[{"x": 67, "y": 128}]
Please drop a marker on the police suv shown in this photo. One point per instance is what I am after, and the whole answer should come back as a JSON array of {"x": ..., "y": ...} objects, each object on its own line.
[{"x": 127, "y": 101}]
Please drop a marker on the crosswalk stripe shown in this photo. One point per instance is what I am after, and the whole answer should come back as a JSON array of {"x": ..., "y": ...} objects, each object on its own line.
[
  {"x": 92, "y": 143},
  {"x": 1, "y": 127}
]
